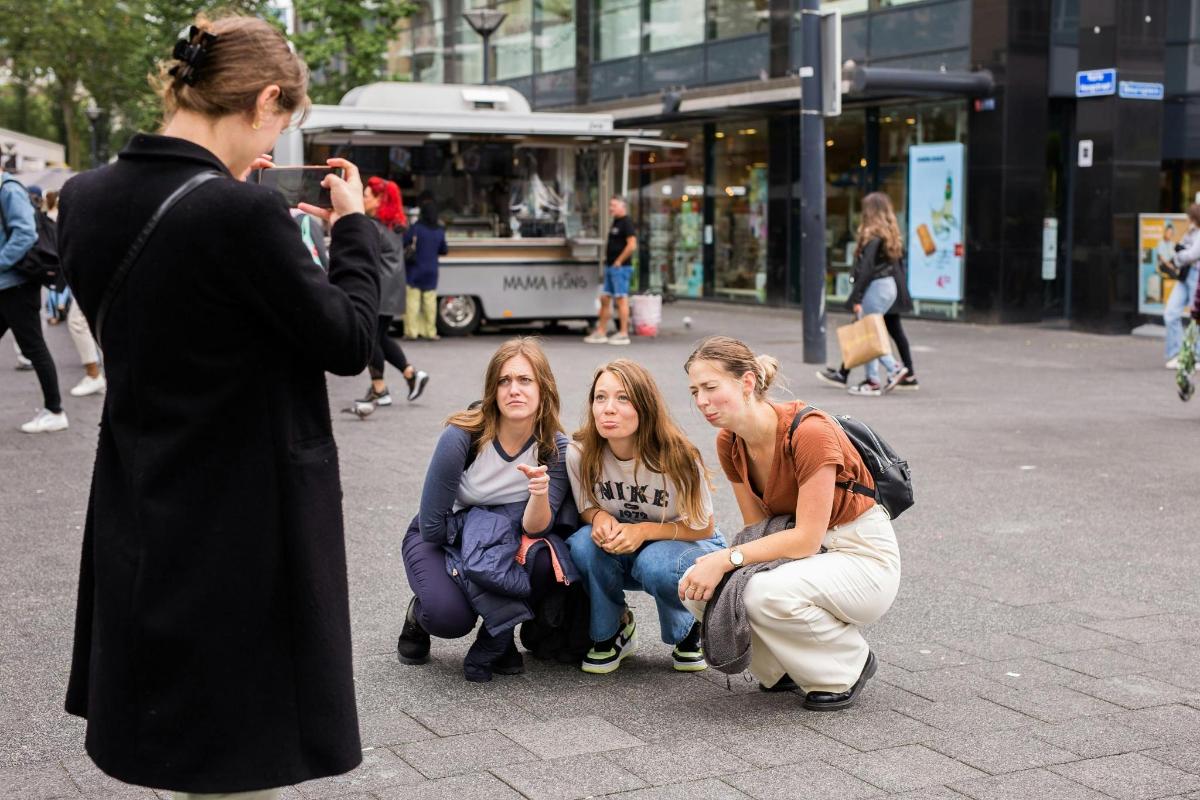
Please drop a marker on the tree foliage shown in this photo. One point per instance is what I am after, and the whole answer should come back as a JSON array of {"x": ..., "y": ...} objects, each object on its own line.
[{"x": 345, "y": 42}]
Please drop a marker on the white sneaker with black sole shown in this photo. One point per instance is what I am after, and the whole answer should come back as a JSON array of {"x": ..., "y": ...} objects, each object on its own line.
[{"x": 606, "y": 656}]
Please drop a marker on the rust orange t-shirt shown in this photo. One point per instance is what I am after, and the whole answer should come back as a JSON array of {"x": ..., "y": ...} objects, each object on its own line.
[{"x": 818, "y": 441}]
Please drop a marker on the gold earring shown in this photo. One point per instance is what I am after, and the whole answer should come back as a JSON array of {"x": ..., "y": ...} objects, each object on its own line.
[{"x": 257, "y": 124}]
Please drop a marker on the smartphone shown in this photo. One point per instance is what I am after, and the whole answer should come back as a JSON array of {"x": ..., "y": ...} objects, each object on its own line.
[{"x": 298, "y": 184}]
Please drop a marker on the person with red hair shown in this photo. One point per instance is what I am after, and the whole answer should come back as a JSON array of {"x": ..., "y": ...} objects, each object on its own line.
[{"x": 381, "y": 200}]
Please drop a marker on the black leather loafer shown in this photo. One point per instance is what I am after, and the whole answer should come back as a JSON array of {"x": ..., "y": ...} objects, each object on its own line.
[
  {"x": 413, "y": 645},
  {"x": 835, "y": 701},
  {"x": 784, "y": 684}
]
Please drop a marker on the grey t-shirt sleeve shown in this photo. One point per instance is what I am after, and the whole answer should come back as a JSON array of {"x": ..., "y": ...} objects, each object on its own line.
[{"x": 445, "y": 472}]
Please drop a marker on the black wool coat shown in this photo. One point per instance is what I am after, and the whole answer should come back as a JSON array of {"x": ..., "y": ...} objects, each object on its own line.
[{"x": 212, "y": 634}]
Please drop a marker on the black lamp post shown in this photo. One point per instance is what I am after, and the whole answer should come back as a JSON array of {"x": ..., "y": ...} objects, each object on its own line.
[
  {"x": 485, "y": 21},
  {"x": 93, "y": 113}
]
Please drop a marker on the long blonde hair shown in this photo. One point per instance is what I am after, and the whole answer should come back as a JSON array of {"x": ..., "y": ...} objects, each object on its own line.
[
  {"x": 879, "y": 222},
  {"x": 659, "y": 442},
  {"x": 483, "y": 421}
]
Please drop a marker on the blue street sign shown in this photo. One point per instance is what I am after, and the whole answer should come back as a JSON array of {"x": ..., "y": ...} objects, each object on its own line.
[
  {"x": 1095, "y": 82},
  {"x": 1139, "y": 90}
]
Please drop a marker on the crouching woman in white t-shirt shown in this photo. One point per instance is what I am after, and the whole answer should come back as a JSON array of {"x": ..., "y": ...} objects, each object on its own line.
[{"x": 644, "y": 490}]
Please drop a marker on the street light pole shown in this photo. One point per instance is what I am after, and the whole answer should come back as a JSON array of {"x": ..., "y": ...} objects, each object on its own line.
[
  {"x": 485, "y": 21},
  {"x": 812, "y": 185},
  {"x": 93, "y": 113}
]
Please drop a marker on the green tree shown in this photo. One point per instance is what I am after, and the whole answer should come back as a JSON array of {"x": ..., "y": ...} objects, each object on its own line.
[{"x": 345, "y": 42}]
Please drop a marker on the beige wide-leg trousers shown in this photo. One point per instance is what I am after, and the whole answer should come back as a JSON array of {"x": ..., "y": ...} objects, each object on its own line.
[
  {"x": 805, "y": 615},
  {"x": 81, "y": 335},
  {"x": 265, "y": 794}
]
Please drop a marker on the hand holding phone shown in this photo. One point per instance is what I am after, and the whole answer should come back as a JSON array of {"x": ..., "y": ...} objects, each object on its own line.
[
  {"x": 345, "y": 193},
  {"x": 298, "y": 185}
]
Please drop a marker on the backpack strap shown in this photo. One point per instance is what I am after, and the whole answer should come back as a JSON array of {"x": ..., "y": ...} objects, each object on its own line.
[
  {"x": 849, "y": 486},
  {"x": 135, "y": 250}
]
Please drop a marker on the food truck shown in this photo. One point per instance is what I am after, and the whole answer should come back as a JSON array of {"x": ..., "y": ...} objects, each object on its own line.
[{"x": 523, "y": 194}]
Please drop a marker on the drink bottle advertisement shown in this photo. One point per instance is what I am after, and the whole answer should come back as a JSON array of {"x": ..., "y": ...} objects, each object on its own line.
[{"x": 935, "y": 221}]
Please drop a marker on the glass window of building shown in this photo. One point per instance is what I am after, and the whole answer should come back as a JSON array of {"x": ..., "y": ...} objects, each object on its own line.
[
  {"x": 740, "y": 207},
  {"x": 512, "y": 43},
  {"x": 671, "y": 212},
  {"x": 618, "y": 29},
  {"x": 728, "y": 18},
  {"x": 674, "y": 23},
  {"x": 846, "y": 179},
  {"x": 554, "y": 22},
  {"x": 418, "y": 51}
]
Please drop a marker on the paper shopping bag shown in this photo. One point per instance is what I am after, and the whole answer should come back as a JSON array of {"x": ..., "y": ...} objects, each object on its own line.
[{"x": 863, "y": 340}]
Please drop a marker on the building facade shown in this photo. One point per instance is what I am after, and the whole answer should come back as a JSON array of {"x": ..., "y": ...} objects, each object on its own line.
[{"x": 1004, "y": 223}]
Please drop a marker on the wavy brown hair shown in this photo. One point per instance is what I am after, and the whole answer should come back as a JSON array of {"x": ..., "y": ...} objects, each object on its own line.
[
  {"x": 879, "y": 222},
  {"x": 483, "y": 421},
  {"x": 660, "y": 443}
]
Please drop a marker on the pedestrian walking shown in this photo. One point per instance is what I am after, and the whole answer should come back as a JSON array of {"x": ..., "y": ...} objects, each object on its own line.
[
  {"x": 828, "y": 561},
  {"x": 486, "y": 540},
  {"x": 1182, "y": 266},
  {"x": 618, "y": 272},
  {"x": 643, "y": 490},
  {"x": 20, "y": 300},
  {"x": 876, "y": 288},
  {"x": 212, "y": 637},
  {"x": 382, "y": 201},
  {"x": 425, "y": 244}
]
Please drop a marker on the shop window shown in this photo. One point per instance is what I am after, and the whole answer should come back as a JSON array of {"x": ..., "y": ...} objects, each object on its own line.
[
  {"x": 728, "y": 18},
  {"x": 674, "y": 23},
  {"x": 554, "y": 22},
  {"x": 618, "y": 29},
  {"x": 428, "y": 60},
  {"x": 846, "y": 181},
  {"x": 512, "y": 43},
  {"x": 740, "y": 206},
  {"x": 671, "y": 212}
]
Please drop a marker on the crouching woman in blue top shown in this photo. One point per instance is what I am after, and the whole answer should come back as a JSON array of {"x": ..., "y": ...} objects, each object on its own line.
[{"x": 482, "y": 544}]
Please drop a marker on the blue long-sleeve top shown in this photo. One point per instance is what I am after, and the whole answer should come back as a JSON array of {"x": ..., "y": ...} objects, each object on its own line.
[
  {"x": 18, "y": 233},
  {"x": 439, "y": 522},
  {"x": 422, "y": 268}
]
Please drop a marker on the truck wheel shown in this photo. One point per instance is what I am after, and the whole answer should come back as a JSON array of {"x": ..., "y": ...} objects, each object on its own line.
[{"x": 458, "y": 315}]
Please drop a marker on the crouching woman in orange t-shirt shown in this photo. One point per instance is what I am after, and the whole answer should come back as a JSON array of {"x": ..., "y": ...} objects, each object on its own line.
[{"x": 841, "y": 565}]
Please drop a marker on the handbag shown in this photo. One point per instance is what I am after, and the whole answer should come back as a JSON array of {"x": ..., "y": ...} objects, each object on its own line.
[
  {"x": 410, "y": 250},
  {"x": 863, "y": 340},
  {"x": 118, "y": 279}
]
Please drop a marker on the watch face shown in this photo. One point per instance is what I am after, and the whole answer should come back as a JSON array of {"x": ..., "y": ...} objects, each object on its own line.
[{"x": 736, "y": 557}]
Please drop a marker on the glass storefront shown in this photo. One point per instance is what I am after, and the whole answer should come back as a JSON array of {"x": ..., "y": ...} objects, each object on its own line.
[
  {"x": 740, "y": 210},
  {"x": 671, "y": 212}
]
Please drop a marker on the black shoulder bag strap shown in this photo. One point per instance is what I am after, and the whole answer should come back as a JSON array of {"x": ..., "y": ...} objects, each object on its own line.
[
  {"x": 849, "y": 486},
  {"x": 135, "y": 250}
]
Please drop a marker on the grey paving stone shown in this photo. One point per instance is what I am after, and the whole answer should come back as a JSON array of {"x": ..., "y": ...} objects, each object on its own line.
[
  {"x": 1182, "y": 756},
  {"x": 699, "y": 790},
  {"x": 802, "y": 782},
  {"x": 777, "y": 745},
  {"x": 568, "y": 778},
  {"x": 93, "y": 782},
  {"x": 471, "y": 716},
  {"x": 1133, "y": 691},
  {"x": 1052, "y": 703},
  {"x": 999, "y": 647},
  {"x": 1002, "y": 751},
  {"x": 1102, "y": 663},
  {"x": 1025, "y": 672},
  {"x": 964, "y": 716},
  {"x": 930, "y": 793},
  {"x": 917, "y": 656},
  {"x": 456, "y": 755},
  {"x": 902, "y": 769},
  {"x": 1179, "y": 722},
  {"x": 677, "y": 762},
  {"x": 1113, "y": 607},
  {"x": 380, "y": 768},
  {"x": 1066, "y": 637},
  {"x": 1093, "y": 737},
  {"x": 1129, "y": 777},
  {"x": 1170, "y": 655},
  {"x": 1185, "y": 676},
  {"x": 1163, "y": 627},
  {"x": 478, "y": 786},
  {"x": 954, "y": 683},
  {"x": 38, "y": 782},
  {"x": 388, "y": 725},
  {"x": 873, "y": 730},
  {"x": 570, "y": 737},
  {"x": 1034, "y": 784}
]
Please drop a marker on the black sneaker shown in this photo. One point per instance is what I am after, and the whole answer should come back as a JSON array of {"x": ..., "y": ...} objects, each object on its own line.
[
  {"x": 834, "y": 377},
  {"x": 908, "y": 383},
  {"x": 688, "y": 655},
  {"x": 487, "y": 654},
  {"x": 416, "y": 384},
  {"x": 511, "y": 662},
  {"x": 835, "y": 701},
  {"x": 606, "y": 656},
  {"x": 383, "y": 398},
  {"x": 784, "y": 684},
  {"x": 413, "y": 644}
]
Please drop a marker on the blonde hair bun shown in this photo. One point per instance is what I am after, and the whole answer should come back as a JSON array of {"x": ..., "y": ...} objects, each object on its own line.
[{"x": 768, "y": 368}]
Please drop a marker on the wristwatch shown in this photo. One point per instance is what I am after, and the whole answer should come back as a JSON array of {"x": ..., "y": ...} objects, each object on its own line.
[{"x": 736, "y": 557}]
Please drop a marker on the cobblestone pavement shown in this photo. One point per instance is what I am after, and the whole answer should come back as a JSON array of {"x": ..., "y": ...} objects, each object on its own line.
[{"x": 1045, "y": 642}]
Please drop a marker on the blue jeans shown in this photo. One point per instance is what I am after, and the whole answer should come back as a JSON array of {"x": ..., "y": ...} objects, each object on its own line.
[
  {"x": 1180, "y": 299},
  {"x": 655, "y": 569},
  {"x": 879, "y": 297}
]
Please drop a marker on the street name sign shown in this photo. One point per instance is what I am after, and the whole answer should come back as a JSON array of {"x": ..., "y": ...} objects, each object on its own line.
[
  {"x": 1141, "y": 90},
  {"x": 1096, "y": 82}
]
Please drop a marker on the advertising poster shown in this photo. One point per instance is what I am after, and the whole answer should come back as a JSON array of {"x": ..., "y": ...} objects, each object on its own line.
[
  {"x": 1157, "y": 236},
  {"x": 935, "y": 221}
]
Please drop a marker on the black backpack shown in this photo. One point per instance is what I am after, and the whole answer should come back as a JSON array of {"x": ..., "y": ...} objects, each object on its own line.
[
  {"x": 893, "y": 481},
  {"x": 40, "y": 263}
]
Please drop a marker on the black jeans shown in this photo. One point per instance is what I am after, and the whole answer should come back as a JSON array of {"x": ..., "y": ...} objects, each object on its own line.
[
  {"x": 20, "y": 307},
  {"x": 386, "y": 348}
]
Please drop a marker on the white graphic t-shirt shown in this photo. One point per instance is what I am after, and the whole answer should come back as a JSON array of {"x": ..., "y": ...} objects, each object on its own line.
[{"x": 644, "y": 497}]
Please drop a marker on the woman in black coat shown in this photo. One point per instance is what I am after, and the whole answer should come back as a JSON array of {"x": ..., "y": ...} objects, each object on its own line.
[{"x": 212, "y": 638}]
